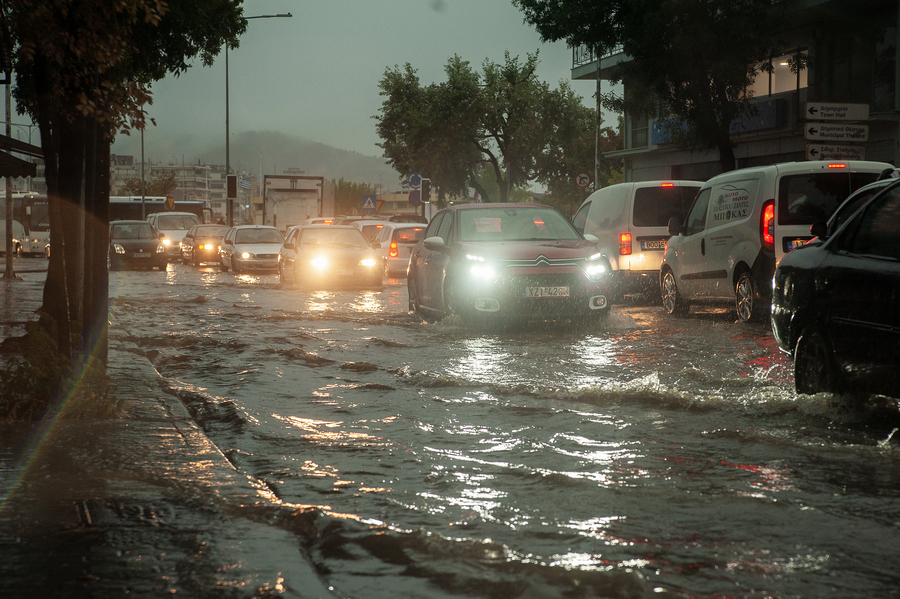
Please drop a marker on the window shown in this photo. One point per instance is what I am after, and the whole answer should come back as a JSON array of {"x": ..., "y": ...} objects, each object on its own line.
[
  {"x": 879, "y": 228},
  {"x": 696, "y": 220},
  {"x": 654, "y": 206},
  {"x": 781, "y": 79},
  {"x": 640, "y": 130},
  {"x": 805, "y": 199},
  {"x": 580, "y": 219}
]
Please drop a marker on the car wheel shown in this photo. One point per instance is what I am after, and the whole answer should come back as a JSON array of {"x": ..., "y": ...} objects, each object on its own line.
[
  {"x": 235, "y": 266},
  {"x": 222, "y": 266},
  {"x": 386, "y": 270},
  {"x": 672, "y": 301},
  {"x": 747, "y": 301},
  {"x": 281, "y": 277},
  {"x": 17, "y": 252},
  {"x": 814, "y": 367}
]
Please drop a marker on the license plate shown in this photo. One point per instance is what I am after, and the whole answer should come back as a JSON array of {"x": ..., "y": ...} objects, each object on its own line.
[
  {"x": 795, "y": 243},
  {"x": 141, "y": 254},
  {"x": 658, "y": 244},
  {"x": 546, "y": 292}
]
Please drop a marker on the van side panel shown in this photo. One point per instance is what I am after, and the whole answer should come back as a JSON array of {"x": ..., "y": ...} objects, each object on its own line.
[{"x": 607, "y": 215}]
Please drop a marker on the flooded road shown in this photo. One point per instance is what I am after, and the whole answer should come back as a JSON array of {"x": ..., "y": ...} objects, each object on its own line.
[{"x": 645, "y": 456}]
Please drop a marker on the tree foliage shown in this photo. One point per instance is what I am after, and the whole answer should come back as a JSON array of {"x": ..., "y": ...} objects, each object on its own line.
[
  {"x": 348, "y": 195},
  {"x": 163, "y": 186},
  {"x": 504, "y": 119},
  {"x": 692, "y": 60}
]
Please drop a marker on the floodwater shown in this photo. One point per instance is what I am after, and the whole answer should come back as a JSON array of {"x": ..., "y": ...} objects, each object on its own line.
[{"x": 645, "y": 456}]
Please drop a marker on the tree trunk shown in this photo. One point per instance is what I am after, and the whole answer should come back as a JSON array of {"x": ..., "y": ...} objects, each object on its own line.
[
  {"x": 95, "y": 301},
  {"x": 71, "y": 185}
]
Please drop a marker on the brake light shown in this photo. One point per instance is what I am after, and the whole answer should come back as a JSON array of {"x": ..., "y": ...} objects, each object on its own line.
[
  {"x": 394, "y": 252},
  {"x": 328, "y": 222},
  {"x": 767, "y": 226},
  {"x": 667, "y": 185},
  {"x": 837, "y": 165},
  {"x": 625, "y": 244}
]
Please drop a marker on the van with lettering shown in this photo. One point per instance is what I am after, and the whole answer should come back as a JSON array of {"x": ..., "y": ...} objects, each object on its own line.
[
  {"x": 629, "y": 220},
  {"x": 743, "y": 222}
]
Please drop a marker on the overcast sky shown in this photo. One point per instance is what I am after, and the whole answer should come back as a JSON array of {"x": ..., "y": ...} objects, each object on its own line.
[{"x": 316, "y": 75}]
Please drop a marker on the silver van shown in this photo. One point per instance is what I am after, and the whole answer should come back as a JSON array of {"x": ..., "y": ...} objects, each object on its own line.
[
  {"x": 742, "y": 224},
  {"x": 630, "y": 221}
]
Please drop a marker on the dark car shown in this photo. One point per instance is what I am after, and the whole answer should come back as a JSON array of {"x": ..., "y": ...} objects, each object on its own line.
[
  {"x": 507, "y": 260},
  {"x": 836, "y": 304},
  {"x": 135, "y": 244},
  {"x": 201, "y": 244},
  {"x": 326, "y": 256}
]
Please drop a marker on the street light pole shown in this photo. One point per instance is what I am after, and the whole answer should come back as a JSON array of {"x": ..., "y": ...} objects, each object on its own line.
[{"x": 229, "y": 202}]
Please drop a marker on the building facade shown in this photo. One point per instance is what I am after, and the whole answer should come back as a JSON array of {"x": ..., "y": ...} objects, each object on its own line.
[{"x": 853, "y": 61}]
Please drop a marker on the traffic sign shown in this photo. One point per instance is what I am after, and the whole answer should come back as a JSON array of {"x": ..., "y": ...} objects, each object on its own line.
[
  {"x": 832, "y": 132},
  {"x": 836, "y": 111},
  {"x": 415, "y": 197},
  {"x": 582, "y": 180},
  {"x": 415, "y": 180},
  {"x": 835, "y": 152},
  {"x": 368, "y": 202},
  {"x": 170, "y": 202}
]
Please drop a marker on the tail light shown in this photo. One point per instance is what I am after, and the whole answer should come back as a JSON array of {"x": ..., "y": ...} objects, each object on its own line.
[
  {"x": 667, "y": 185},
  {"x": 767, "y": 226},
  {"x": 837, "y": 165},
  {"x": 625, "y": 244},
  {"x": 394, "y": 252}
]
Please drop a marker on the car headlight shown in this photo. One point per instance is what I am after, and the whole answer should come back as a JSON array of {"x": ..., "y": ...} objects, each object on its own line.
[
  {"x": 246, "y": 255},
  {"x": 480, "y": 269},
  {"x": 367, "y": 262},
  {"x": 167, "y": 242},
  {"x": 118, "y": 248},
  {"x": 208, "y": 246},
  {"x": 320, "y": 262},
  {"x": 595, "y": 267}
]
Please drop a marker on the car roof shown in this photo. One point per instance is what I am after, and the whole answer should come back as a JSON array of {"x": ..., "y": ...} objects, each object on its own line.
[
  {"x": 329, "y": 227},
  {"x": 482, "y": 206},
  {"x": 129, "y": 222}
]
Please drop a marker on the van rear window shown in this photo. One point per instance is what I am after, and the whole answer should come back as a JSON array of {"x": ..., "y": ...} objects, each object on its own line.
[
  {"x": 654, "y": 206},
  {"x": 808, "y": 198},
  {"x": 410, "y": 235}
]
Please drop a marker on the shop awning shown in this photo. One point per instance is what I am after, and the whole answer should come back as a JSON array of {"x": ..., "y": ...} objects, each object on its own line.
[{"x": 10, "y": 166}]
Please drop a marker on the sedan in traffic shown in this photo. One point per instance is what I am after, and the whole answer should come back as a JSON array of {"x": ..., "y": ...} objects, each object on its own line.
[
  {"x": 135, "y": 244},
  {"x": 507, "y": 261},
  {"x": 329, "y": 256},
  {"x": 836, "y": 304},
  {"x": 250, "y": 248},
  {"x": 201, "y": 244},
  {"x": 395, "y": 241}
]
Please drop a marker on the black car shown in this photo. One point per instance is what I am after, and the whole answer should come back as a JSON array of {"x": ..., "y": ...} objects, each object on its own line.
[
  {"x": 135, "y": 244},
  {"x": 201, "y": 244},
  {"x": 836, "y": 304}
]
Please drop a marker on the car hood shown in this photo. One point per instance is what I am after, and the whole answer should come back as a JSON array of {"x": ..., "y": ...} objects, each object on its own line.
[
  {"x": 148, "y": 245},
  {"x": 174, "y": 234},
  {"x": 529, "y": 250}
]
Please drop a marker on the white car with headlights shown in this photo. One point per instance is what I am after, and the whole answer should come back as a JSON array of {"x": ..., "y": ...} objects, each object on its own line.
[
  {"x": 174, "y": 226},
  {"x": 251, "y": 248},
  {"x": 325, "y": 256}
]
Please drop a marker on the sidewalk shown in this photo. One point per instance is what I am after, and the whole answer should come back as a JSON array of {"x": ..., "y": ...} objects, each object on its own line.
[{"x": 143, "y": 505}]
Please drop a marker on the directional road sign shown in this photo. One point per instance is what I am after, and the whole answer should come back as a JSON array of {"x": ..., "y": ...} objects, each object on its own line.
[
  {"x": 415, "y": 180},
  {"x": 415, "y": 197},
  {"x": 836, "y": 132},
  {"x": 836, "y": 111},
  {"x": 369, "y": 203},
  {"x": 835, "y": 152}
]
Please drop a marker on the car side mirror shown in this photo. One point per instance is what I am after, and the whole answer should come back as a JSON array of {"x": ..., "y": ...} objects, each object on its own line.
[
  {"x": 592, "y": 238},
  {"x": 162, "y": 235},
  {"x": 819, "y": 229},
  {"x": 434, "y": 243},
  {"x": 227, "y": 242},
  {"x": 288, "y": 246},
  {"x": 376, "y": 245},
  {"x": 676, "y": 226}
]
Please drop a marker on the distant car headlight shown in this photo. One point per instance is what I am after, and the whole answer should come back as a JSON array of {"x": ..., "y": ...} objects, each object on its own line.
[
  {"x": 246, "y": 255},
  {"x": 595, "y": 267},
  {"x": 167, "y": 242},
  {"x": 118, "y": 248},
  {"x": 208, "y": 246},
  {"x": 367, "y": 262},
  {"x": 320, "y": 262}
]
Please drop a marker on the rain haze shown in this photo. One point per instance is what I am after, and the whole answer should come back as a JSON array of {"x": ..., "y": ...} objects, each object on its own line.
[{"x": 315, "y": 76}]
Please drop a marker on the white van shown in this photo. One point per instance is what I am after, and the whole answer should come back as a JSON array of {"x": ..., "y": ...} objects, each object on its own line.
[
  {"x": 630, "y": 221},
  {"x": 741, "y": 225},
  {"x": 174, "y": 226}
]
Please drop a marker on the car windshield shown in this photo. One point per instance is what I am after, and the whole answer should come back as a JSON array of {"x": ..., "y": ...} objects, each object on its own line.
[
  {"x": 248, "y": 236},
  {"x": 133, "y": 231},
  {"x": 176, "y": 222},
  {"x": 349, "y": 238},
  {"x": 514, "y": 224},
  {"x": 370, "y": 231},
  {"x": 211, "y": 231}
]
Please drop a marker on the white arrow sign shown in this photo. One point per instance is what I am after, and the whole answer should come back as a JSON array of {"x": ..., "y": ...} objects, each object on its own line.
[
  {"x": 835, "y": 152},
  {"x": 836, "y": 111},
  {"x": 831, "y": 132}
]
